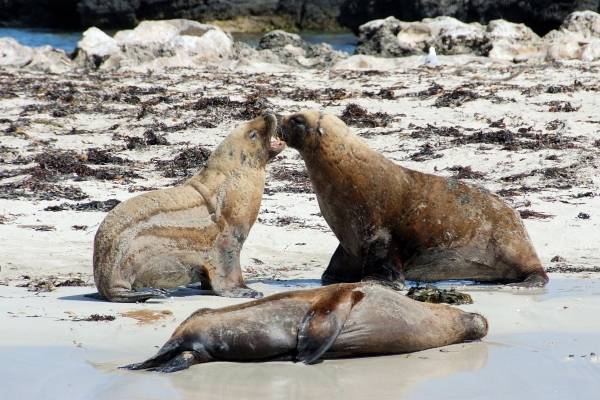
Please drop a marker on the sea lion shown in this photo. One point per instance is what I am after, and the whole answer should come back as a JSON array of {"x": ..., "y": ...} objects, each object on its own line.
[
  {"x": 189, "y": 233},
  {"x": 343, "y": 320},
  {"x": 394, "y": 223}
]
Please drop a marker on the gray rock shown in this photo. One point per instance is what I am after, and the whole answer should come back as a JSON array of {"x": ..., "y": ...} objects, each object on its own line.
[{"x": 290, "y": 49}]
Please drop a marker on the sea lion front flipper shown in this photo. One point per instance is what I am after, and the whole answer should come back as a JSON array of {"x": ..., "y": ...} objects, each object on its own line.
[{"x": 323, "y": 322}]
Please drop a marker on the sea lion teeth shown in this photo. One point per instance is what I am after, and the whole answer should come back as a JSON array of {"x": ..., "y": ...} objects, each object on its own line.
[
  {"x": 353, "y": 319},
  {"x": 189, "y": 233},
  {"x": 395, "y": 223}
]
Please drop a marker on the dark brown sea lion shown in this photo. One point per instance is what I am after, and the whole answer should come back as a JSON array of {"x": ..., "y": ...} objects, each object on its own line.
[
  {"x": 343, "y": 320},
  {"x": 394, "y": 223},
  {"x": 189, "y": 233}
]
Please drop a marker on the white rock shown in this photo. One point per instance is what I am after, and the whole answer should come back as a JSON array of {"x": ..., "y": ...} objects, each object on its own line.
[
  {"x": 49, "y": 59},
  {"x": 577, "y": 39},
  {"x": 95, "y": 47},
  {"x": 514, "y": 42},
  {"x": 13, "y": 54},
  {"x": 45, "y": 58},
  {"x": 587, "y": 23}
]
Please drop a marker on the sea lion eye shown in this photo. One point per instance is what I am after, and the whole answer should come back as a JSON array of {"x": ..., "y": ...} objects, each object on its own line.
[
  {"x": 298, "y": 120},
  {"x": 252, "y": 135}
]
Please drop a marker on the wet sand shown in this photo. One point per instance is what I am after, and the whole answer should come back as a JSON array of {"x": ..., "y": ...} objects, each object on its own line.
[{"x": 543, "y": 343}]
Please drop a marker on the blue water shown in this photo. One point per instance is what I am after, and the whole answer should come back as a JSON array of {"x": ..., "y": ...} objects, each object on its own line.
[
  {"x": 40, "y": 37},
  {"x": 68, "y": 40}
]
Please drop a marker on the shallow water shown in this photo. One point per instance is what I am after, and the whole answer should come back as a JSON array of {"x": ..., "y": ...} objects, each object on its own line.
[{"x": 67, "y": 41}]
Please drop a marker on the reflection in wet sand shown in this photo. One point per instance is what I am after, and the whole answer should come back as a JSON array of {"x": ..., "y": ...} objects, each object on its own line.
[{"x": 375, "y": 377}]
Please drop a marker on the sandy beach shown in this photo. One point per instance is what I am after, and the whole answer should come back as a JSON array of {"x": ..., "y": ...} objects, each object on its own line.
[{"x": 530, "y": 133}]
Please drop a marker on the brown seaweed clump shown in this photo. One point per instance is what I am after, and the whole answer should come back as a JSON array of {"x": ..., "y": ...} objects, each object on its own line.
[
  {"x": 430, "y": 294},
  {"x": 184, "y": 164},
  {"x": 355, "y": 115}
]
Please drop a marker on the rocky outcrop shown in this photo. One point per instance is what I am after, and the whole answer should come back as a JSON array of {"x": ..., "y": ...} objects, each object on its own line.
[
  {"x": 44, "y": 58},
  {"x": 155, "y": 45},
  {"x": 500, "y": 39},
  {"x": 393, "y": 38},
  {"x": 540, "y": 15}
]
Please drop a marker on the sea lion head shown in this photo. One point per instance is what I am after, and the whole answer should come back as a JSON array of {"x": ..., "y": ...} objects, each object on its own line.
[
  {"x": 303, "y": 130},
  {"x": 252, "y": 144},
  {"x": 477, "y": 326}
]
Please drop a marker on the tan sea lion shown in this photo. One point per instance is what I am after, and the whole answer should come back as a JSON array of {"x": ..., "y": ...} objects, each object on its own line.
[
  {"x": 394, "y": 223},
  {"x": 189, "y": 233},
  {"x": 343, "y": 320}
]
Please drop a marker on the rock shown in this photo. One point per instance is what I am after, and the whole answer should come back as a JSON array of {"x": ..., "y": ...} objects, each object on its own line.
[
  {"x": 587, "y": 23},
  {"x": 155, "y": 45},
  {"x": 311, "y": 14},
  {"x": 45, "y": 58},
  {"x": 152, "y": 41},
  {"x": 94, "y": 48},
  {"x": 541, "y": 15},
  {"x": 393, "y": 38},
  {"x": 451, "y": 36},
  {"x": 13, "y": 54},
  {"x": 513, "y": 42},
  {"x": 289, "y": 49},
  {"x": 279, "y": 39},
  {"x": 49, "y": 59},
  {"x": 577, "y": 39}
]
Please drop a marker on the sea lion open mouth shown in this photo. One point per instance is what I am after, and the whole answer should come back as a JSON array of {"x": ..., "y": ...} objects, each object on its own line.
[{"x": 276, "y": 145}]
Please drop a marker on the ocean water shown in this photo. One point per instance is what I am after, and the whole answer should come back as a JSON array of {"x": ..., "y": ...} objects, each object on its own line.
[
  {"x": 40, "y": 37},
  {"x": 67, "y": 41}
]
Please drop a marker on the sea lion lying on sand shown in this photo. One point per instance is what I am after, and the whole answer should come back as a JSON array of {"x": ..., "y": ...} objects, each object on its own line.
[
  {"x": 394, "y": 223},
  {"x": 351, "y": 319},
  {"x": 189, "y": 233}
]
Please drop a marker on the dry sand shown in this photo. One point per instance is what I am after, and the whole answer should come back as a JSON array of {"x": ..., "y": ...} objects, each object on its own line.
[{"x": 510, "y": 124}]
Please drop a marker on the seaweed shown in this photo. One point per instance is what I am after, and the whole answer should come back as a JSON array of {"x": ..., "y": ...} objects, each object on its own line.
[
  {"x": 185, "y": 163},
  {"x": 431, "y": 294},
  {"x": 355, "y": 115}
]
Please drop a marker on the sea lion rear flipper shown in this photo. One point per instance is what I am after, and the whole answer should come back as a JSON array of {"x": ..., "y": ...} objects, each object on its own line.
[
  {"x": 167, "y": 352},
  {"x": 323, "y": 322}
]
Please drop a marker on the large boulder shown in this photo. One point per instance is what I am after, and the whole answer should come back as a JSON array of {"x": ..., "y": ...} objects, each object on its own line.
[
  {"x": 577, "y": 39},
  {"x": 45, "y": 58},
  {"x": 541, "y": 15}
]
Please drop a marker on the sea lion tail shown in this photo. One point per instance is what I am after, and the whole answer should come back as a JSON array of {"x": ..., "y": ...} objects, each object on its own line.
[{"x": 323, "y": 323}]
